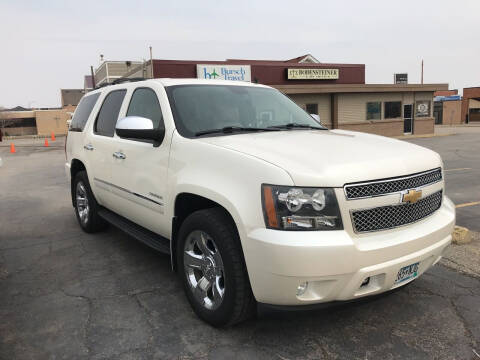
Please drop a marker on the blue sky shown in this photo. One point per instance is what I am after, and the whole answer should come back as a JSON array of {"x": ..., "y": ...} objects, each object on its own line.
[{"x": 48, "y": 45}]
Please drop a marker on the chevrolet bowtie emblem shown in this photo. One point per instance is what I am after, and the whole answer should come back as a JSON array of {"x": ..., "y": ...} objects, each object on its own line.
[{"x": 412, "y": 196}]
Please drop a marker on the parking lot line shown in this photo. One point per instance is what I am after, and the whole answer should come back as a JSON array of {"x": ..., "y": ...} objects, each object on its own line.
[
  {"x": 467, "y": 204},
  {"x": 459, "y": 169}
]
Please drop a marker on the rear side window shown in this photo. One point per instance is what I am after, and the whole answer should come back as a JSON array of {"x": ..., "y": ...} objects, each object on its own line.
[
  {"x": 83, "y": 111},
  {"x": 145, "y": 103},
  {"x": 108, "y": 115}
]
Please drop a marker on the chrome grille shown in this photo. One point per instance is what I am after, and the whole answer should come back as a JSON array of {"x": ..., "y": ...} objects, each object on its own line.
[
  {"x": 388, "y": 186},
  {"x": 387, "y": 217}
]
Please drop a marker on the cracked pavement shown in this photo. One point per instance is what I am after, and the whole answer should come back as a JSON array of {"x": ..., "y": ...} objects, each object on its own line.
[{"x": 65, "y": 294}]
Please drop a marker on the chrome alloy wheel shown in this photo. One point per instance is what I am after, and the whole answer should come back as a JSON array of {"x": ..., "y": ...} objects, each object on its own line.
[
  {"x": 204, "y": 269},
  {"x": 81, "y": 199}
]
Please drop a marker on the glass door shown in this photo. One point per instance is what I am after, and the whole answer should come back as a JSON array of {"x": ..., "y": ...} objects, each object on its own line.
[{"x": 407, "y": 118}]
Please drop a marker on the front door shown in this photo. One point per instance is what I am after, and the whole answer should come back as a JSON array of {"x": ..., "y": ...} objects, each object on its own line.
[
  {"x": 407, "y": 118},
  {"x": 140, "y": 175}
]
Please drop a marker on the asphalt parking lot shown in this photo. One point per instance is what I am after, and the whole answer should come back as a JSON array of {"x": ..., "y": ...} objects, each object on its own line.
[{"x": 65, "y": 294}]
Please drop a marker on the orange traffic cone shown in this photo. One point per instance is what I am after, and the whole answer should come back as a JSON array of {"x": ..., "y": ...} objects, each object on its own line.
[
  {"x": 12, "y": 148},
  {"x": 53, "y": 136},
  {"x": 46, "y": 142}
]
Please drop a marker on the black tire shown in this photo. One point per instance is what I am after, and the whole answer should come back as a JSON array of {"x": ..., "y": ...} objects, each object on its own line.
[
  {"x": 92, "y": 222},
  {"x": 238, "y": 303}
]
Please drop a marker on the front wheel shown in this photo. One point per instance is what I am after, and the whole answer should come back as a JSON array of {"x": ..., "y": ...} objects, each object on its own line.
[{"x": 212, "y": 269}]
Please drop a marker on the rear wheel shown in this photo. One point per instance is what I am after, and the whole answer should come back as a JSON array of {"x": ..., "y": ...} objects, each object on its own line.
[
  {"x": 212, "y": 268},
  {"x": 86, "y": 207}
]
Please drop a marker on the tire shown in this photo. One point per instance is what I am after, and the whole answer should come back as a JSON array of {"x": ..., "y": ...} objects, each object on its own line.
[
  {"x": 220, "y": 266},
  {"x": 86, "y": 207}
]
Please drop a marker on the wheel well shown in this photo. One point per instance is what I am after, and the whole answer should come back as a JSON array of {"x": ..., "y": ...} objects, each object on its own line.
[
  {"x": 186, "y": 204},
  {"x": 76, "y": 166}
]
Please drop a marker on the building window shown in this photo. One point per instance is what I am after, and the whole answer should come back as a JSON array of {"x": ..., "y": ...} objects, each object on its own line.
[
  {"x": 18, "y": 122},
  {"x": 312, "y": 108},
  {"x": 374, "y": 110},
  {"x": 393, "y": 109},
  {"x": 422, "y": 108}
]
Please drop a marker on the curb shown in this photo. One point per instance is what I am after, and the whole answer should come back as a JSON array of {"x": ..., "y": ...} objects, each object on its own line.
[{"x": 420, "y": 136}]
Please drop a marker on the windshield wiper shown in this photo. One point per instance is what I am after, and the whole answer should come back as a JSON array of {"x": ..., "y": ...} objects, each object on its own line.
[
  {"x": 296, "y": 126},
  {"x": 232, "y": 129}
]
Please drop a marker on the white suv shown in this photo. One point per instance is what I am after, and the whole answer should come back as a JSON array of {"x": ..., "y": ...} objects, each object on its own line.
[{"x": 254, "y": 199}]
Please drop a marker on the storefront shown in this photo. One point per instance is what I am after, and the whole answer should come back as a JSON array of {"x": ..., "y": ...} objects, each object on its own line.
[{"x": 336, "y": 92}]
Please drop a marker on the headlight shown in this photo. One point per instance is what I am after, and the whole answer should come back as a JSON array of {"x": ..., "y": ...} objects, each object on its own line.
[{"x": 295, "y": 208}]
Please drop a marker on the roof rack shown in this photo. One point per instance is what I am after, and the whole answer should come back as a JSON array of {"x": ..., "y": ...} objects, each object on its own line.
[{"x": 121, "y": 81}]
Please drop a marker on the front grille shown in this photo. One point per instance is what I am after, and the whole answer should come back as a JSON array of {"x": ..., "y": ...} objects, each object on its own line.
[
  {"x": 382, "y": 187},
  {"x": 387, "y": 217}
]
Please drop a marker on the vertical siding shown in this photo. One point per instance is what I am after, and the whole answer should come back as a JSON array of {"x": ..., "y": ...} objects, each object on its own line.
[{"x": 353, "y": 107}]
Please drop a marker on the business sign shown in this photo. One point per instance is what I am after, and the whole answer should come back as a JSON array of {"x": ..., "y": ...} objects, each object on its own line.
[
  {"x": 312, "y": 74},
  {"x": 400, "y": 78},
  {"x": 224, "y": 72},
  {"x": 422, "y": 108}
]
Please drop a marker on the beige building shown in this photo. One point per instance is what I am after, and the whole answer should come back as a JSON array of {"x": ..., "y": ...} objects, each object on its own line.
[
  {"x": 109, "y": 71},
  {"x": 390, "y": 110},
  {"x": 35, "y": 122}
]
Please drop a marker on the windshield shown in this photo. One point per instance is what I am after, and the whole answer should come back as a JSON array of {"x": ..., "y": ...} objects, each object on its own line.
[{"x": 200, "y": 108}]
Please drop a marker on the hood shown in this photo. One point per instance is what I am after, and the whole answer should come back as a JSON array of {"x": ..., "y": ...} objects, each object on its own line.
[{"x": 332, "y": 158}]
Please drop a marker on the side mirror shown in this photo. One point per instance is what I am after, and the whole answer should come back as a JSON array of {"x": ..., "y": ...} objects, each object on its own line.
[{"x": 137, "y": 127}]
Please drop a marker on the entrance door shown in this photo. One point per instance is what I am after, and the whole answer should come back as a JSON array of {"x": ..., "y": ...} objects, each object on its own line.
[
  {"x": 407, "y": 118},
  {"x": 438, "y": 112}
]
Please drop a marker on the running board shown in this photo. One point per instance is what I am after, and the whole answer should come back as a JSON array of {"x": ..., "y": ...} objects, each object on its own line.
[{"x": 138, "y": 232}]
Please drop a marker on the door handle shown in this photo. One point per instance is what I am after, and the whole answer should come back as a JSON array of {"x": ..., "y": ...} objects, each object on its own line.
[
  {"x": 119, "y": 155},
  {"x": 88, "y": 147}
]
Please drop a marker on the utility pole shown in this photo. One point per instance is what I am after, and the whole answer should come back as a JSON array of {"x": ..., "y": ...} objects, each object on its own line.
[
  {"x": 422, "y": 71},
  {"x": 151, "y": 62}
]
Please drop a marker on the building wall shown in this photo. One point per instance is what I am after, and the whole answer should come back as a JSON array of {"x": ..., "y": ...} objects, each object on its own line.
[
  {"x": 468, "y": 93},
  {"x": 101, "y": 74},
  {"x": 324, "y": 105},
  {"x": 452, "y": 112},
  {"x": 379, "y": 127},
  {"x": 352, "y": 111},
  {"x": 445, "y": 93},
  {"x": 49, "y": 121},
  {"x": 423, "y": 126},
  {"x": 263, "y": 72}
]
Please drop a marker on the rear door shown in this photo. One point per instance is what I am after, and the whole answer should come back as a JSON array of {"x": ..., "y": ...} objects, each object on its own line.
[
  {"x": 99, "y": 146},
  {"x": 140, "y": 172}
]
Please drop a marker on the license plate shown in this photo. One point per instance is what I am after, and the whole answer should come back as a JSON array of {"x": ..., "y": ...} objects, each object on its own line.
[{"x": 407, "y": 272}]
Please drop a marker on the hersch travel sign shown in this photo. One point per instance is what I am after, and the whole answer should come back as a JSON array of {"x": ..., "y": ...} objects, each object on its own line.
[{"x": 224, "y": 72}]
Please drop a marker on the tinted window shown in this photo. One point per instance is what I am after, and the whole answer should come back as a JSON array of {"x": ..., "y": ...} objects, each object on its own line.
[
  {"x": 145, "y": 103},
  {"x": 83, "y": 111},
  {"x": 374, "y": 110},
  {"x": 203, "y": 107},
  {"x": 108, "y": 115},
  {"x": 312, "y": 108},
  {"x": 393, "y": 109}
]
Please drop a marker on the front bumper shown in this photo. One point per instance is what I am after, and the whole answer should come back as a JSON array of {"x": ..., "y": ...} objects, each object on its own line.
[{"x": 336, "y": 263}]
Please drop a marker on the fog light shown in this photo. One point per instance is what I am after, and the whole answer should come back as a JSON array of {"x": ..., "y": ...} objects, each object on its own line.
[
  {"x": 302, "y": 288},
  {"x": 366, "y": 281}
]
